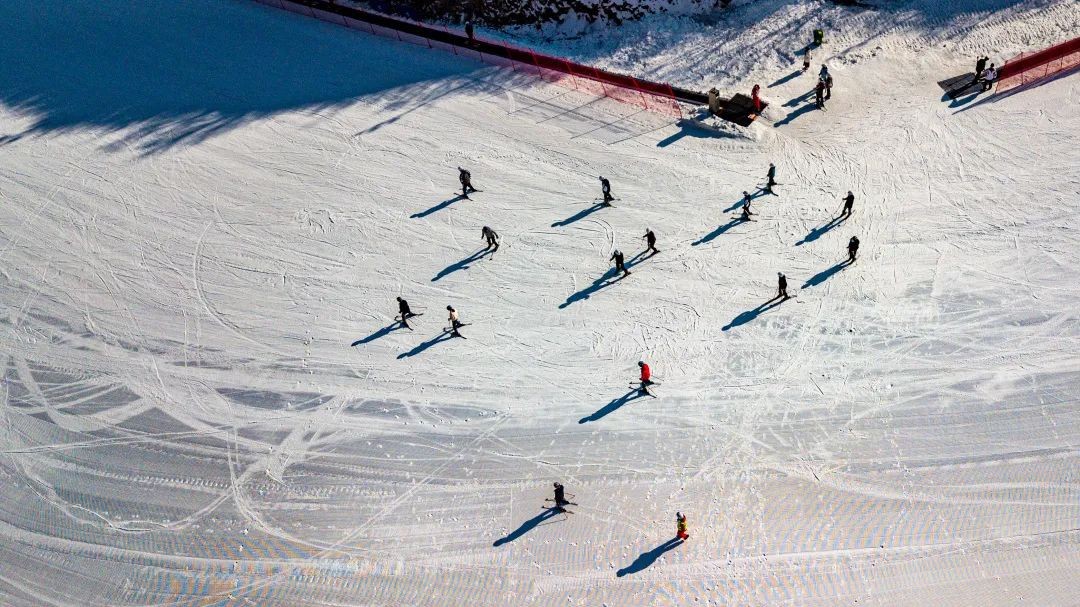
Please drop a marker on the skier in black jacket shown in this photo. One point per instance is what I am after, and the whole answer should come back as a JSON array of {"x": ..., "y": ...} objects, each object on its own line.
[{"x": 620, "y": 265}]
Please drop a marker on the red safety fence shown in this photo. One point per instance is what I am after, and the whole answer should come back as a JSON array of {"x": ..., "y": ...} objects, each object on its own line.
[
  {"x": 1029, "y": 67},
  {"x": 652, "y": 96}
]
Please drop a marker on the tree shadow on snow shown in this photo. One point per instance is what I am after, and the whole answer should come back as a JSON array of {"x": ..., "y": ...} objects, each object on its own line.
[
  {"x": 383, "y": 332},
  {"x": 446, "y": 335},
  {"x": 528, "y": 526},
  {"x": 582, "y": 214},
  {"x": 719, "y": 231},
  {"x": 89, "y": 65},
  {"x": 750, "y": 315},
  {"x": 461, "y": 265},
  {"x": 820, "y": 231},
  {"x": 613, "y": 406},
  {"x": 646, "y": 559},
  {"x": 442, "y": 205},
  {"x": 825, "y": 274}
]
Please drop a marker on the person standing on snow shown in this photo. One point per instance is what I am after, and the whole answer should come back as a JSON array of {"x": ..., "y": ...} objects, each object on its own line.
[
  {"x": 849, "y": 203},
  {"x": 404, "y": 312},
  {"x": 988, "y": 77},
  {"x": 819, "y": 94},
  {"x": 755, "y": 96},
  {"x": 746, "y": 206},
  {"x": 781, "y": 284},
  {"x": 852, "y": 248},
  {"x": 620, "y": 263},
  {"x": 465, "y": 177},
  {"x": 772, "y": 178},
  {"x": 680, "y": 526},
  {"x": 980, "y": 65},
  {"x": 470, "y": 32},
  {"x": 455, "y": 322},
  {"x": 605, "y": 187},
  {"x": 650, "y": 242},
  {"x": 645, "y": 378},
  {"x": 806, "y": 60},
  {"x": 491, "y": 237},
  {"x": 828, "y": 85},
  {"x": 560, "y": 496}
]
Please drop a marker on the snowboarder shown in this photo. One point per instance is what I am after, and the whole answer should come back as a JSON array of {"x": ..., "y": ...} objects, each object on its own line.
[
  {"x": 755, "y": 95},
  {"x": 988, "y": 77},
  {"x": 680, "y": 526},
  {"x": 465, "y": 177},
  {"x": 455, "y": 322},
  {"x": 645, "y": 378},
  {"x": 772, "y": 178},
  {"x": 620, "y": 265},
  {"x": 806, "y": 60},
  {"x": 605, "y": 186},
  {"x": 849, "y": 203},
  {"x": 746, "y": 206},
  {"x": 491, "y": 237},
  {"x": 781, "y": 283},
  {"x": 560, "y": 496},
  {"x": 404, "y": 312},
  {"x": 980, "y": 65},
  {"x": 852, "y": 248},
  {"x": 819, "y": 94},
  {"x": 828, "y": 85},
  {"x": 650, "y": 242}
]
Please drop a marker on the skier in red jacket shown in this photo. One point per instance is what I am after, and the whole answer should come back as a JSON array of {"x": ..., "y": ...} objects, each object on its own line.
[{"x": 646, "y": 376}]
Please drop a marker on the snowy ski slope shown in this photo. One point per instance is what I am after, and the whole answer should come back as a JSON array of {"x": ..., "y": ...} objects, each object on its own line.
[{"x": 208, "y": 207}]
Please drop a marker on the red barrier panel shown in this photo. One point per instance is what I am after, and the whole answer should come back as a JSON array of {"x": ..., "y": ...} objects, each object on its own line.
[{"x": 1029, "y": 67}]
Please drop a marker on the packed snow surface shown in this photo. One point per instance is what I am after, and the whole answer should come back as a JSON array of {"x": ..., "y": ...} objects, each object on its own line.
[{"x": 208, "y": 207}]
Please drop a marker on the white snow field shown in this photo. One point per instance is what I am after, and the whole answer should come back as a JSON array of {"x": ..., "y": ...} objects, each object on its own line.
[{"x": 208, "y": 207}]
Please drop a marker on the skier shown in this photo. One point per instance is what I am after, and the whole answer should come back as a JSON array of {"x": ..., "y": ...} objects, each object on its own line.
[
  {"x": 491, "y": 237},
  {"x": 465, "y": 177},
  {"x": 650, "y": 241},
  {"x": 819, "y": 94},
  {"x": 806, "y": 60},
  {"x": 470, "y": 33},
  {"x": 455, "y": 323},
  {"x": 852, "y": 248},
  {"x": 746, "y": 206},
  {"x": 824, "y": 71},
  {"x": 605, "y": 185},
  {"x": 560, "y": 496},
  {"x": 988, "y": 77},
  {"x": 781, "y": 283},
  {"x": 849, "y": 202},
  {"x": 772, "y": 178},
  {"x": 405, "y": 312},
  {"x": 828, "y": 85},
  {"x": 646, "y": 378},
  {"x": 680, "y": 526},
  {"x": 980, "y": 65},
  {"x": 620, "y": 265},
  {"x": 755, "y": 95}
]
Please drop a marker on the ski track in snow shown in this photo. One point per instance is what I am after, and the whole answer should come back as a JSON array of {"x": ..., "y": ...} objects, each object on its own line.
[{"x": 183, "y": 271}]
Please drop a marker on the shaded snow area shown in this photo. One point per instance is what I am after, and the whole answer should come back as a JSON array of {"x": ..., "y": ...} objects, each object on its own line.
[{"x": 208, "y": 207}]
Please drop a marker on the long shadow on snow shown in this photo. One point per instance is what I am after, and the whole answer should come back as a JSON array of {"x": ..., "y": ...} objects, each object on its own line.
[
  {"x": 613, "y": 406},
  {"x": 719, "y": 231},
  {"x": 461, "y": 265},
  {"x": 383, "y": 332},
  {"x": 795, "y": 101},
  {"x": 758, "y": 193},
  {"x": 442, "y": 205},
  {"x": 582, "y": 214},
  {"x": 825, "y": 274},
  {"x": 688, "y": 128},
  {"x": 786, "y": 79},
  {"x": 606, "y": 280},
  {"x": 441, "y": 337},
  {"x": 809, "y": 107},
  {"x": 645, "y": 559},
  {"x": 750, "y": 315},
  {"x": 163, "y": 73},
  {"x": 820, "y": 231},
  {"x": 527, "y": 526}
]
